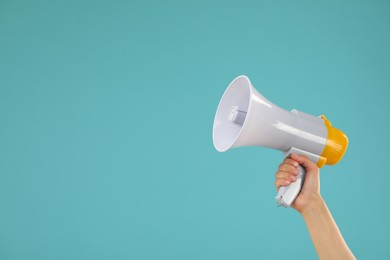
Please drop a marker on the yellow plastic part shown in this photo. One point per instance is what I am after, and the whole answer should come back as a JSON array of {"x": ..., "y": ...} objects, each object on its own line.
[
  {"x": 321, "y": 162},
  {"x": 335, "y": 147}
]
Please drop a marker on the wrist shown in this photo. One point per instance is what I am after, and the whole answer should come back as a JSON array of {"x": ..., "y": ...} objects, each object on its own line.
[{"x": 315, "y": 204}]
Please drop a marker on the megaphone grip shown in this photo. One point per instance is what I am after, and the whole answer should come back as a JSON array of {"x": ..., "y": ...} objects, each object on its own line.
[{"x": 287, "y": 194}]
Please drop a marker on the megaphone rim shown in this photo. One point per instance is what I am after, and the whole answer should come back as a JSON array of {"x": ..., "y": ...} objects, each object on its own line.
[{"x": 249, "y": 86}]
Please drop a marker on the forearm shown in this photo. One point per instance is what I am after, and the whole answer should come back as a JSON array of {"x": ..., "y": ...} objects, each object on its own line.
[{"x": 326, "y": 237}]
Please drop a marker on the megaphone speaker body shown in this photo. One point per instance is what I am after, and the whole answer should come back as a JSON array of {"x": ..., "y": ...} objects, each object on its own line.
[{"x": 245, "y": 118}]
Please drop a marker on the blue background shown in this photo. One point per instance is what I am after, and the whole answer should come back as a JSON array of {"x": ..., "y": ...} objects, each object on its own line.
[{"x": 106, "y": 112}]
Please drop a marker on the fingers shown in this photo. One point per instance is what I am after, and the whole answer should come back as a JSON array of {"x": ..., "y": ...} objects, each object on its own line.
[
  {"x": 290, "y": 161},
  {"x": 306, "y": 162},
  {"x": 288, "y": 170},
  {"x": 281, "y": 182},
  {"x": 290, "y": 176},
  {"x": 284, "y": 167},
  {"x": 287, "y": 173}
]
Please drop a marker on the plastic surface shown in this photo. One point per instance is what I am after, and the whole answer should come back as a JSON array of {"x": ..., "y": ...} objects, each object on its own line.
[
  {"x": 336, "y": 144},
  {"x": 237, "y": 116},
  {"x": 265, "y": 123}
]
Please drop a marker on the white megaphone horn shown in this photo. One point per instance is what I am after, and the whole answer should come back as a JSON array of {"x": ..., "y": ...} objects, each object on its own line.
[{"x": 245, "y": 118}]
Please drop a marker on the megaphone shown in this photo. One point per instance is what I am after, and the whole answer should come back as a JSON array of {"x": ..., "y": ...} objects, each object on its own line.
[{"x": 245, "y": 118}]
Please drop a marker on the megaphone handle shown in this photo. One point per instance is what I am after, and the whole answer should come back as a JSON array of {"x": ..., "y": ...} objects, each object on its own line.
[{"x": 287, "y": 194}]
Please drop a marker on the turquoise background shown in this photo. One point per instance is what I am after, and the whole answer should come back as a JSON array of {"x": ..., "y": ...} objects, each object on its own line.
[{"x": 106, "y": 112}]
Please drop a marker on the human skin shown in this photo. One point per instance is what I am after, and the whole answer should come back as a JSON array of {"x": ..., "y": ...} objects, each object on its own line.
[{"x": 326, "y": 236}]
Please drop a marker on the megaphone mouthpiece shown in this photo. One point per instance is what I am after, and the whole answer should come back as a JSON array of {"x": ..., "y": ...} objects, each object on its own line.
[{"x": 237, "y": 116}]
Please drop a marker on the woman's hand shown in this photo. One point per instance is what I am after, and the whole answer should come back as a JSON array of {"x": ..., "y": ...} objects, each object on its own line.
[{"x": 288, "y": 172}]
